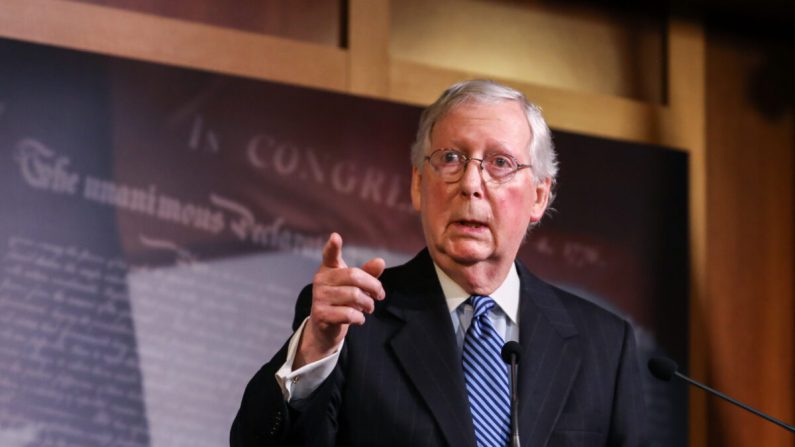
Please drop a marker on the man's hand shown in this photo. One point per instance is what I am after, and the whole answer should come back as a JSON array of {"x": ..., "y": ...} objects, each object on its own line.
[{"x": 341, "y": 295}]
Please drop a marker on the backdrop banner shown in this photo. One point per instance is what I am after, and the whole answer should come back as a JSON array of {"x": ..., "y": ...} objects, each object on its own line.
[{"x": 157, "y": 224}]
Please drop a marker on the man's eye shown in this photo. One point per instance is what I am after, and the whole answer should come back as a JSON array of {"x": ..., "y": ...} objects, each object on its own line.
[
  {"x": 501, "y": 162},
  {"x": 451, "y": 157}
]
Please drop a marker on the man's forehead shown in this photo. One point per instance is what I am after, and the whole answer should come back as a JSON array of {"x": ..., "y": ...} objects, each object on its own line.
[
  {"x": 513, "y": 113},
  {"x": 513, "y": 110},
  {"x": 474, "y": 102}
]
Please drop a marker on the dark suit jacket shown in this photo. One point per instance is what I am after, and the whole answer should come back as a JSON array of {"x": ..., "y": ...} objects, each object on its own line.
[{"x": 399, "y": 380}]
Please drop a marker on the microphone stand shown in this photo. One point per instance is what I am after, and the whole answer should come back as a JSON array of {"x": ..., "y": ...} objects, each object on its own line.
[{"x": 514, "y": 441}]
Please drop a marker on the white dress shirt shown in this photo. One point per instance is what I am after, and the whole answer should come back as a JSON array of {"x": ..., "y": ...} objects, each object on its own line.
[{"x": 300, "y": 383}]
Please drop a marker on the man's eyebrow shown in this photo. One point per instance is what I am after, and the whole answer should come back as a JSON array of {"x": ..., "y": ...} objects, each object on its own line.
[
  {"x": 491, "y": 147},
  {"x": 497, "y": 147}
]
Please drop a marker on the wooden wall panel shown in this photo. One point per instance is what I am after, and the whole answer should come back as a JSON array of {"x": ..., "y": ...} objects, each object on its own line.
[
  {"x": 556, "y": 44},
  {"x": 316, "y": 21},
  {"x": 151, "y": 38},
  {"x": 368, "y": 55},
  {"x": 750, "y": 317}
]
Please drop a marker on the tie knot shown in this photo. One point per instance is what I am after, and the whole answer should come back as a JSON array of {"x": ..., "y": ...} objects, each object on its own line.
[{"x": 481, "y": 304}]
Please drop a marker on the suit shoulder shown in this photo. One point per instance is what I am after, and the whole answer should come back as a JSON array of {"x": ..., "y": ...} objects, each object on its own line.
[
  {"x": 587, "y": 309},
  {"x": 569, "y": 311}
]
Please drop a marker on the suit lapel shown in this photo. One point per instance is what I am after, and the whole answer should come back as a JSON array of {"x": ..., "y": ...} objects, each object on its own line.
[
  {"x": 551, "y": 356},
  {"x": 426, "y": 349}
]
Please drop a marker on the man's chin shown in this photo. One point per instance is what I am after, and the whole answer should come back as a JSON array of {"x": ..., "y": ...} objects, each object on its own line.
[{"x": 467, "y": 254}]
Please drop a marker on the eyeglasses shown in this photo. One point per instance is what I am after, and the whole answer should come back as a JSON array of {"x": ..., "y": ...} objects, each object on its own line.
[{"x": 451, "y": 164}]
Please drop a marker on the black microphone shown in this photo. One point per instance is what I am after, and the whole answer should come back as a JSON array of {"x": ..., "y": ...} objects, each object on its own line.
[
  {"x": 663, "y": 369},
  {"x": 511, "y": 352}
]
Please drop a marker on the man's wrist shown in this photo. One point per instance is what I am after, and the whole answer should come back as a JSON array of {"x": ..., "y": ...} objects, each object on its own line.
[
  {"x": 313, "y": 345},
  {"x": 300, "y": 382}
]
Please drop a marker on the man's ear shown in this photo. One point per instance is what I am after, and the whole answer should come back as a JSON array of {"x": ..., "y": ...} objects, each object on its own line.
[
  {"x": 541, "y": 200},
  {"x": 416, "y": 183}
]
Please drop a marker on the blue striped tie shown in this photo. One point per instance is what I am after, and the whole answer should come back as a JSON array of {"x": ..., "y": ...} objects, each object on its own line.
[{"x": 486, "y": 377}]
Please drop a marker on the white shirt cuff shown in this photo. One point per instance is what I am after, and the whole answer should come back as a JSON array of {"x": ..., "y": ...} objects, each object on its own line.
[{"x": 300, "y": 383}]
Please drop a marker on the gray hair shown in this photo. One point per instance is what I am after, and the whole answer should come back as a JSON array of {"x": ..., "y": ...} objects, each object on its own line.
[{"x": 541, "y": 150}]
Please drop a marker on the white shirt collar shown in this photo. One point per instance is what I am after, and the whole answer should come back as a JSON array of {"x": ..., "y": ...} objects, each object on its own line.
[{"x": 506, "y": 296}]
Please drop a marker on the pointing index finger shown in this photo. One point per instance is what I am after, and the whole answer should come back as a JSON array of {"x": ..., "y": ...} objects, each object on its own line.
[{"x": 332, "y": 252}]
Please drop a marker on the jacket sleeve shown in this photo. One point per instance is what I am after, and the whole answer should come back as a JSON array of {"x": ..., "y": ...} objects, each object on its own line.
[
  {"x": 263, "y": 415},
  {"x": 266, "y": 419}
]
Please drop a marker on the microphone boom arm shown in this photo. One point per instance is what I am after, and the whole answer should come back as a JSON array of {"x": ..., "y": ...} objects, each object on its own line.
[{"x": 735, "y": 402}]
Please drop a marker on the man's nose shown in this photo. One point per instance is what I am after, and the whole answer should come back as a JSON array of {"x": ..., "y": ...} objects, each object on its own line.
[{"x": 472, "y": 179}]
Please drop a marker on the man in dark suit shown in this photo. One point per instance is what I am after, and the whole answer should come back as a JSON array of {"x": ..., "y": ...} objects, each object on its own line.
[{"x": 406, "y": 356}]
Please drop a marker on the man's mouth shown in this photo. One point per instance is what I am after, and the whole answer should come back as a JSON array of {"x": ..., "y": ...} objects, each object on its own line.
[{"x": 471, "y": 223}]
